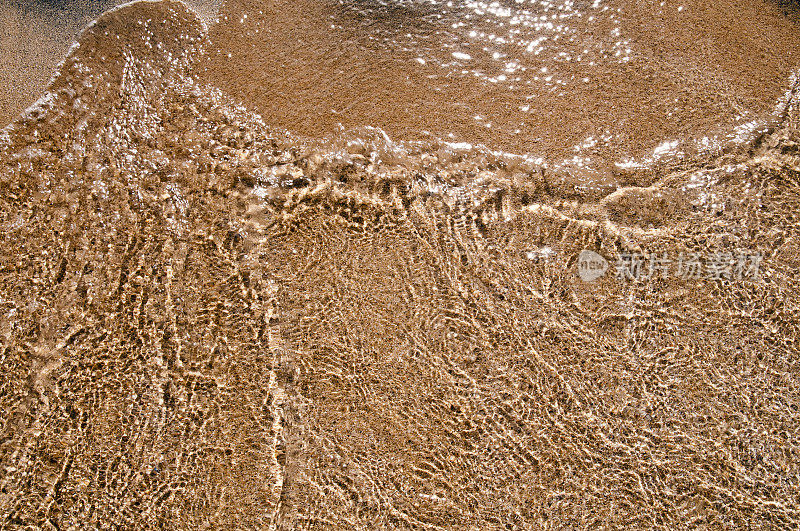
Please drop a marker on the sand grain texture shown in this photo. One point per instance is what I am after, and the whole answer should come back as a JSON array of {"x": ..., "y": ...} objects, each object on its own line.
[{"x": 207, "y": 325}]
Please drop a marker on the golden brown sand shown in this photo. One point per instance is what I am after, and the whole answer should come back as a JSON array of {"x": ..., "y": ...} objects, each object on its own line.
[
  {"x": 625, "y": 75},
  {"x": 207, "y": 324},
  {"x": 35, "y": 36}
]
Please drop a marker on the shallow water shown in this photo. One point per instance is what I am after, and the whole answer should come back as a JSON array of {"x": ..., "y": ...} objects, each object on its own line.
[
  {"x": 35, "y": 36},
  {"x": 208, "y": 322},
  {"x": 605, "y": 79}
]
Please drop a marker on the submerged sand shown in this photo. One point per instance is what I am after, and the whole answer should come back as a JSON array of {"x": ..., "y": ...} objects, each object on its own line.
[
  {"x": 207, "y": 323},
  {"x": 602, "y": 80}
]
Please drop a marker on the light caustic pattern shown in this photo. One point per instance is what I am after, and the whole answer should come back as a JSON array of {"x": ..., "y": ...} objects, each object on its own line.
[{"x": 208, "y": 324}]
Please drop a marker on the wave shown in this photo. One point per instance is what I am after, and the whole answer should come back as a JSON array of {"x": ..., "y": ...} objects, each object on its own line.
[
  {"x": 213, "y": 322},
  {"x": 123, "y": 78}
]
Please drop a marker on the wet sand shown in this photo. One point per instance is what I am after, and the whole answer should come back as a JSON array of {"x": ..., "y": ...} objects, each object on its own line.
[
  {"x": 609, "y": 79},
  {"x": 35, "y": 38},
  {"x": 208, "y": 323}
]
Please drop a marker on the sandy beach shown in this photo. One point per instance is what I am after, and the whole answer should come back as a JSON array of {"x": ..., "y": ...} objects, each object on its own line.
[{"x": 219, "y": 309}]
